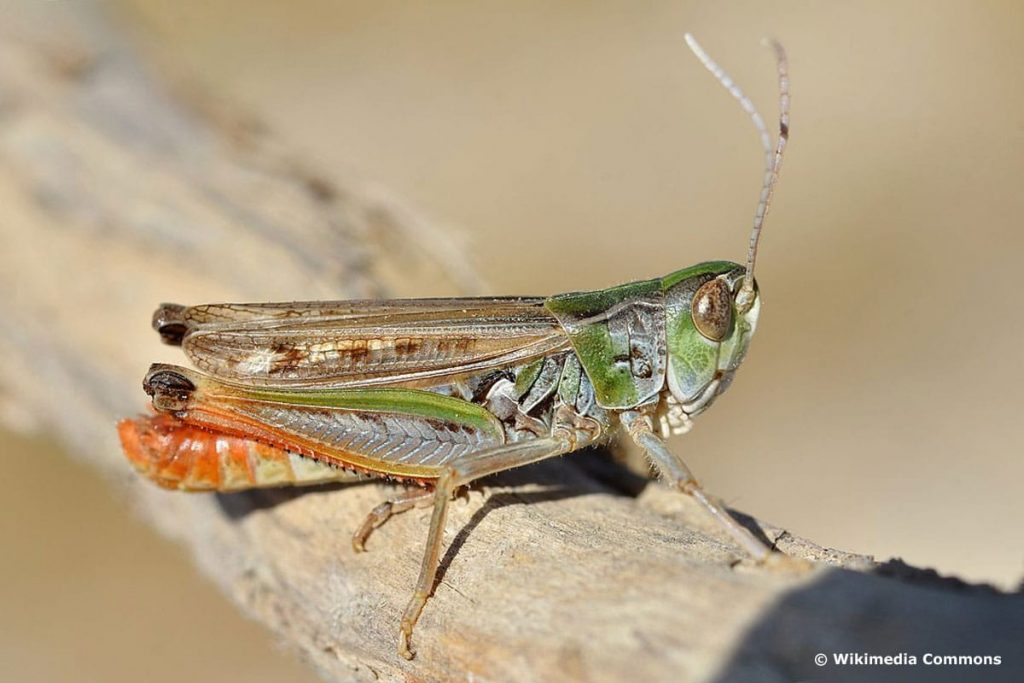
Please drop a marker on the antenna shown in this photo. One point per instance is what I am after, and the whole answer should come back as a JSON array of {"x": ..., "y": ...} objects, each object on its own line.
[{"x": 772, "y": 162}]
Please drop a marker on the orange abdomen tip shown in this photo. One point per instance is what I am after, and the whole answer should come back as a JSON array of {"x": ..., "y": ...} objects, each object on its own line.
[{"x": 178, "y": 455}]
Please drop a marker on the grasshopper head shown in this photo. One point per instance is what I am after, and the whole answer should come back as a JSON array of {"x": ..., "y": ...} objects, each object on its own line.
[
  {"x": 709, "y": 322},
  {"x": 711, "y": 309}
]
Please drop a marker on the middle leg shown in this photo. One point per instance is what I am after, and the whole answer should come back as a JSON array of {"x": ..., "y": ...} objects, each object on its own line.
[
  {"x": 459, "y": 474},
  {"x": 406, "y": 500}
]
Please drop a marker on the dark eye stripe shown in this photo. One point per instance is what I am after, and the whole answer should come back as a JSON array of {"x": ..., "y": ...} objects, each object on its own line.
[{"x": 712, "y": 310}]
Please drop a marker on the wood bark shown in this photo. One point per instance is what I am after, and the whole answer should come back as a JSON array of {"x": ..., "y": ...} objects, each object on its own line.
[{"x": 115, "y": 195}]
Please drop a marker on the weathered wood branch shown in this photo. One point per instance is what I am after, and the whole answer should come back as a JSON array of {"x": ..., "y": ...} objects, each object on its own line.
[{"x": 115, "y": 196}]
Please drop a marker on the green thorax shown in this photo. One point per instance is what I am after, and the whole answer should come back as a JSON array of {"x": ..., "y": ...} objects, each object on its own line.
[{"x": 627, "y": 337}]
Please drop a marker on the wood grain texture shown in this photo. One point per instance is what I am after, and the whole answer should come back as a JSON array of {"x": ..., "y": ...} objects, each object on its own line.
[{"x": 116, "y": 196}]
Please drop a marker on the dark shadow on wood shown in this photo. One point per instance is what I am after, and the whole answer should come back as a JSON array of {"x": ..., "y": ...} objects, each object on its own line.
[
  {"x": 239, "y": 505},
  {"x": 847, "y": 612},
  {"x": 599, "y": 464},
  {"x": 753, "y": 527},
  {"x": 901, "y": 571}
]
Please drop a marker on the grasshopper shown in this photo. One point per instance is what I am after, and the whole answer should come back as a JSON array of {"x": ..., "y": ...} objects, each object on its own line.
[{"x": 437, "y": 393}]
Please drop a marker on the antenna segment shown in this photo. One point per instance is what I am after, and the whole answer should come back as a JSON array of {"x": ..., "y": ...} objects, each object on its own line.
[{"x": 772, "y": 160}]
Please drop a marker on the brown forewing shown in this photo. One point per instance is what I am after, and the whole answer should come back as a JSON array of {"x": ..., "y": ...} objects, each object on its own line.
[{"x": 411, "y": 342}]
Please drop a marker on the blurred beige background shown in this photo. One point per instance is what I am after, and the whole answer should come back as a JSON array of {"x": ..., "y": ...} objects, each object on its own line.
[{"x": 579, "y": 145}]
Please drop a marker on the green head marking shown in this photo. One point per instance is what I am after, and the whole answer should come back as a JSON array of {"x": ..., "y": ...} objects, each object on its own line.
[{"x": 707, "y": 333}]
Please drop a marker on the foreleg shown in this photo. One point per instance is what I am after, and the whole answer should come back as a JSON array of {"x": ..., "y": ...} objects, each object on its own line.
[{"x": 675, "y": 471}]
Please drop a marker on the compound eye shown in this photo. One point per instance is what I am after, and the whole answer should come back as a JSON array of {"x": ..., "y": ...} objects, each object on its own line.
[{"x": 712, "y": 310}]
